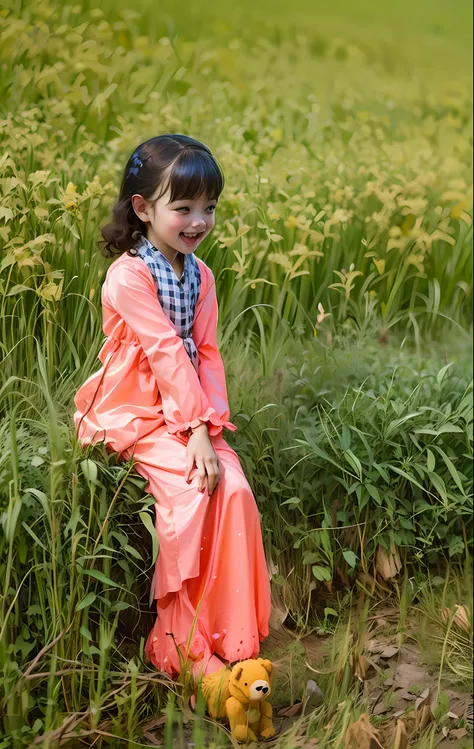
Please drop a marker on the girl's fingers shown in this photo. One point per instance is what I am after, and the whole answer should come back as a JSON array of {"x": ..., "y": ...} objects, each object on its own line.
[
  {"x": 189, "y": 466},
  {"x": 202, "y": 476},
  {"x": 208, "y": 472},
  {"x": 212, "y": 468}
]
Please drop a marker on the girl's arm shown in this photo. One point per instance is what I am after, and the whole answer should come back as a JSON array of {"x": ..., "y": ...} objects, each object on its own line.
[
  {"x": 210, "y": 366},
  {"x": 132, "y": 293}
]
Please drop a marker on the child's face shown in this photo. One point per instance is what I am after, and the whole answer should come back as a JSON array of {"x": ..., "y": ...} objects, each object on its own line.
[{"x": 167, "y": 221}]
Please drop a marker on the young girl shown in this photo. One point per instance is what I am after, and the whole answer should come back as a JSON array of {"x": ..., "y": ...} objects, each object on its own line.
[{"x": 161, "y": 396}]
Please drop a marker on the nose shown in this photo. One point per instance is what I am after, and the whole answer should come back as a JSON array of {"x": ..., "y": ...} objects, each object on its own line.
[{"x": 262, "y": 689}]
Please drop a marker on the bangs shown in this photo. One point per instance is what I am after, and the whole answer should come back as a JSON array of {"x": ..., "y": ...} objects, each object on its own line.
[{"x": 193, "y": 173}]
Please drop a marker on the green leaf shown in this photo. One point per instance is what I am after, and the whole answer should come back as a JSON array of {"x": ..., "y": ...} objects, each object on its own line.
[
  {"x": 350, "y": 557},
  {"x": 447, "y": 428},
  {"x": 326, "y": 542},
  {"x": 381, "y": 470},
  {"x": 120, "y": 606},
  {"x": 134, "y": 552},
  {"x": 89, "y": 469},
  {"x": 442, "y": 372},
  {"x": 451, "y": 469},
  {"x": 146, "y": 519},
  {"x": 101, "y": 577},
  {"x": 84, "y": 631},
  {"x": 430, "y": 460},
  {"x": 374, "y": 493},
  {"x": 18, "y": 288},
  {"x": 405, "y": 475},
  {"x": 439, "y": 485},
  {"x": 354, "y": 462},
  {"x": 397, "y": 422},
  {"x": 90, "y": 598},
  {"x": 310, "y": 557},
  {"x": 321, "y": 573},
  {"x": 292, "y": 501},
  {"x": 345, "y": 438}
]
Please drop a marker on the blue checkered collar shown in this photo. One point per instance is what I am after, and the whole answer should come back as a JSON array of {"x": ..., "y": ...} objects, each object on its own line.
[{"x": 144, "y": 247}]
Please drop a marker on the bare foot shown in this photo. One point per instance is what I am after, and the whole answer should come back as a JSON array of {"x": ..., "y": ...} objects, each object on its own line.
[{"x": 203, "y": 669}]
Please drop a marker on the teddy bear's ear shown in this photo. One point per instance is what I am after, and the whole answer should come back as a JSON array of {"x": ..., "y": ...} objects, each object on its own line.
[
  {"x": 268, "y": 665},
  {"x": 237, "y": 672}
]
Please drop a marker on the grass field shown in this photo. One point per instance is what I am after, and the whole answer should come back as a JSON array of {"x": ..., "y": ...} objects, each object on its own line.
[{"x": 342, "y": 254}]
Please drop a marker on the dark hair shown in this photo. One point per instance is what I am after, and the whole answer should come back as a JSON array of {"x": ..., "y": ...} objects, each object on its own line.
[{"x": 174, "y": 161}]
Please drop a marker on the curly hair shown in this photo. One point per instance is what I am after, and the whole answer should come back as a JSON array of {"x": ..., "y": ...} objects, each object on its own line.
[{"x": 173, "y": 161}]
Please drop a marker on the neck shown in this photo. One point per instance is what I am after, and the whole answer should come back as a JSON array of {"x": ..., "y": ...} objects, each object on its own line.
[{"x": 169, "y": 253}]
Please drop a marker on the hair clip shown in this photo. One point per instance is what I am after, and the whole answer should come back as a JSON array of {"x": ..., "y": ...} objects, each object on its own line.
[{"x": 136, "y": 164}]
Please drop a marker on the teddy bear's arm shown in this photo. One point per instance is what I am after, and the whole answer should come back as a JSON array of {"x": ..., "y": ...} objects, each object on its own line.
[
  {"x": 266, "y": 728},
  {"x": 238, "y": 725}
]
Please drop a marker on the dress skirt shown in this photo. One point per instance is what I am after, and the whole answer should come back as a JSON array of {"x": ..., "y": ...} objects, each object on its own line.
[
  {"x": 211, "y": 549},
  {"x": 142, "y": 402}
]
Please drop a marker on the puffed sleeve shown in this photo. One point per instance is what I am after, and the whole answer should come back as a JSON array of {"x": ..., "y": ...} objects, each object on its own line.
[
  {"x": 132, "y": 292},
  {"x": 210, "y": 365}
]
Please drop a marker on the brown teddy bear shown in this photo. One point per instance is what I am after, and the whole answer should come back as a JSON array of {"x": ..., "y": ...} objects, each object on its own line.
[{"x": 239, "y": 694}]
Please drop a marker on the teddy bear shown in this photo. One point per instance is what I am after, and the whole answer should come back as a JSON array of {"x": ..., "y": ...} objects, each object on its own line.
[{"x": 240, "y": 695}]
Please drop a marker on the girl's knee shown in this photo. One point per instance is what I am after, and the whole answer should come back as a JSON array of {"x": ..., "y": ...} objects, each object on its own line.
[{"x": 236, "y": 485}]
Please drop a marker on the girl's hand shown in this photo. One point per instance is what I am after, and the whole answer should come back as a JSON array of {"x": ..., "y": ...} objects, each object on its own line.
[{"x": 200, "y": 451}]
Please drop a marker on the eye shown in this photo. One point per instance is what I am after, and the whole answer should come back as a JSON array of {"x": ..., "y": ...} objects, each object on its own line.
[
  {"x": 245, "y": 683},
  {"x": 185, "y": 207}
]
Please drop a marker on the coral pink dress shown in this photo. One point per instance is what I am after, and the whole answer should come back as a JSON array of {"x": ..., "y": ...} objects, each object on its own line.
[{"x": 141, "y": 402}]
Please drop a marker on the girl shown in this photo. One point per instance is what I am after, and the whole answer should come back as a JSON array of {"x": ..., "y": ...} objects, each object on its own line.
[{"x": 161, "y": 396}]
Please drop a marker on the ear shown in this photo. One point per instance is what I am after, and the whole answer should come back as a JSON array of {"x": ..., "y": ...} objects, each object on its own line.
[
  {"x": 268, "y": 665},
  {"x": 141, "y": 207},
  {"x": 237, "y": 672}
]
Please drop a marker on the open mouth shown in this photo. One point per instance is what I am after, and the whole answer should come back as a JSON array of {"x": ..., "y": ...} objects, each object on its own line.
[{"x": 191, "y": 239}]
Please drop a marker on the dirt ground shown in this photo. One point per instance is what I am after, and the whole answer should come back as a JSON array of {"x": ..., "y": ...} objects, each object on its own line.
[{"x": 396, "y": 686}]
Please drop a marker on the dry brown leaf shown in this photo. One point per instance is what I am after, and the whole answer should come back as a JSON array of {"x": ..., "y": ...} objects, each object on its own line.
[
  {"x": 362, "y": 735},
  {"x": 342, "y": 575},
  {"x": 154, "y": 740},
  {"x": 380, "y": 709},
  {"x": 459, "y": 733},
  {"x": 423, "y": 717},
  {"x": 291, "y": 711},
  {"x": 407, "y": 674},
  {"x": 423, "y": 699},
  {"x": 279, "y": 611},
  {"x": 302, "y": 742},
  {"x": 360, "y": 665},
  {"x": 156, "y": 722},
  {"x": 389, "y": 652},
  {"x": 377, "y": 644},
  {"x": 401, "y": 736},
  {"x": 388, "y": 564},
  {"x": 461, "y": 617}
]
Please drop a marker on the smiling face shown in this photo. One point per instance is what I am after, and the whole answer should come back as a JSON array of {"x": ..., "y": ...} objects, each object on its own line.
[{"x": 166, "y": 222}]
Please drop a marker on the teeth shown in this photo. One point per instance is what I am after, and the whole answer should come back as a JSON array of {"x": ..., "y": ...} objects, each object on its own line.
[{"x": 192, "y": 235}]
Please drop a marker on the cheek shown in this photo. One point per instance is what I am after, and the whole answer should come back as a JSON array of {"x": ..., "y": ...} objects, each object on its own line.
[{"x": 175, "y": 223}]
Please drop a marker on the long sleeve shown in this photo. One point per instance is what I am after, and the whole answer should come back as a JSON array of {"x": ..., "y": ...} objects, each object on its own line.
[
  {"x": 132, "y": 293},
  {"x": 210, "y": 366}
]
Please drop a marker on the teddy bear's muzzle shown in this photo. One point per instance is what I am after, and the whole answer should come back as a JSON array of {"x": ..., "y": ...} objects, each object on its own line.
[{"x": 259, "y": 690}]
